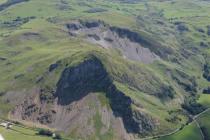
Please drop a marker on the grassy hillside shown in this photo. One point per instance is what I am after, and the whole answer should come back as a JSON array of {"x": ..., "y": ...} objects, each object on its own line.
[
  {"x": 19, "y": 133},
  {"x": 205, "y": 100},
  {"x": 33, "y": 42},
  {"x": 204, "y": 124},
  {"x": 189, "y": 132}
]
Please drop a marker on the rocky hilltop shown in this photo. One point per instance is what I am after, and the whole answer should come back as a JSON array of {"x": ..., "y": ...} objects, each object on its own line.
[{"x": 103, "y": 70}]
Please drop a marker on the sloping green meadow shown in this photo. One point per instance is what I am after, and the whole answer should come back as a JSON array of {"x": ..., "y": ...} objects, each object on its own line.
[
  {"x": 33, "y": 35},
  {"x": 20, "y": 133},
  {"x": 204, "y": 99},
  {"x": 190, "y": 132}
]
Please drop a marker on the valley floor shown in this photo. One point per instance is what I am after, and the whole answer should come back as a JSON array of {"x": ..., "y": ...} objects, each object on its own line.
[{"x": 20, "y": 133}]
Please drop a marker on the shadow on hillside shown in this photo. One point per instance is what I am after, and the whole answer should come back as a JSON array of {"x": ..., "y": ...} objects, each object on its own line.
[{"x": 91, "y": 77}]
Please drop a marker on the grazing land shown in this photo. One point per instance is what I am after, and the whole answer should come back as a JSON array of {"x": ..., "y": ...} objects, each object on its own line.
[{"x": 105, "y": 69}]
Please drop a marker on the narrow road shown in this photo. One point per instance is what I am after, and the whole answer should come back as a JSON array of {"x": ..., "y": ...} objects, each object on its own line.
[
  {"x": 208, "y": 109},
  {"x": 164, "y": 135},
  {"x": 1, "y": 138},
  {"x": 201, "y": 132},
  {"x": 179, "y": 129}
]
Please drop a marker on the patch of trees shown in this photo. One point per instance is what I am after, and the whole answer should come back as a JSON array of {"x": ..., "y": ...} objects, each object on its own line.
[
  {"x": 48, "y": 133},
  {"x": 173, "y": 118},
  {"x": 128, "y": 1},
  {"x": 200, "y": 30},
  {"x": 18, "y": 76},
  {"x": 17, "y": 22},
  {"x": 3, "y": 59},
  {"x": 205, "y": 133},
  {"x": 187, "y": 82},
  {"x": 192, "y": 106},
  {"x": 206, "y": 90},
  {"x": 96, "y": 10},
  {"x": 64, "y": 5},
  {"x": 57, "y": 137},
  {"x": 2, "y": 93},
  {"x": 203, "y": 44},
  {"x": 206, "y": 73},
  {"x": 182, "y": 27},
  {"x": 208, "y": 30},
  {"x": 166, "y": 91},
  {"x": 44, "y": 132}
]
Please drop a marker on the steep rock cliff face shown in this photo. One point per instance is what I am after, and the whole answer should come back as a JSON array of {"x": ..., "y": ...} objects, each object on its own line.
[
  {"x": 131, "y": 44},
  {"x": 77, "y": 82},
  {"x": 77, "y": 99}
]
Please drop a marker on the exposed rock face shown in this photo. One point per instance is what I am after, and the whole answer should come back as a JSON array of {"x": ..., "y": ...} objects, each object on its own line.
[
  {"x": 33, "y": 110},
  {"x": 147, "y": 123},
  {"x": 77, "y": 82},
  {"x": 130, "y": 43},
  {"x": 70, "y": 106},
  {"x": 90, "y": 77}
]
